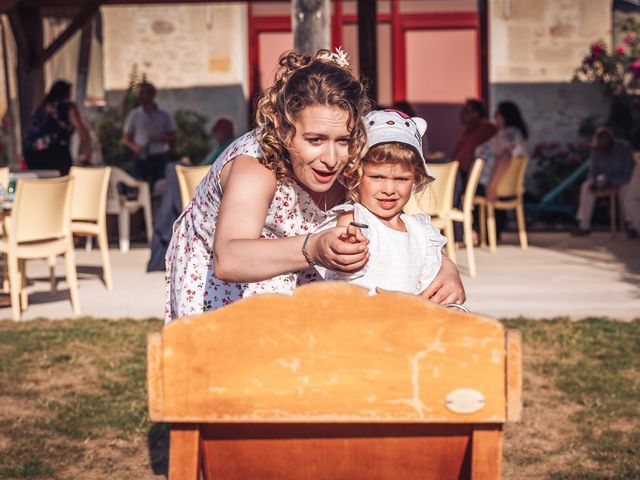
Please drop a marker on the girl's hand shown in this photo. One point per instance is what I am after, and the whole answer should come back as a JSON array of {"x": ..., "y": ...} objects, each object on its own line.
[
  {"x": 447, "y": 286},
  {"x": 329, "y": 249}
]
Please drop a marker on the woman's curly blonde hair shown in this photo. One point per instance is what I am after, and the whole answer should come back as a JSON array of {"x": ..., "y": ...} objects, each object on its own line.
[
  {"x": 395, "y": 153},
  {"x": 302, "y": 81}
]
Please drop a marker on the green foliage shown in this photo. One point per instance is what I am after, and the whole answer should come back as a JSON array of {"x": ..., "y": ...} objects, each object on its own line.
[
  {"x": 193, "y": 140},
  {"x": 618, "y": 73},
  {"x": 553, "y": 163},
  {"x": 192, "y": 137},
  {"x": 111, "y": 122},
  {"x": 597, "y": 367}
]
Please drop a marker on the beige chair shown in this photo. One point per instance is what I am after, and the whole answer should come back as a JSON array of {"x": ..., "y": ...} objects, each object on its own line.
[
  {"x": 437, "y": 201},
  {"x": 466, "y": 214},
  {"x": 615, "y": 204},
  {"x": 4, "y": 183},
  {"x": 89, "y": 211},
  {"x": 123, "y": 207},
  {"x": 39, "y": 226},
  {"x": 4, "y": 178},
  {"x": 510, "y": 193},
  {"x": 188, "y": 180}
]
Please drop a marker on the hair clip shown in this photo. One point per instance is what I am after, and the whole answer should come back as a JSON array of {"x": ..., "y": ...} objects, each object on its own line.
[{"x": 338, "y": 57}]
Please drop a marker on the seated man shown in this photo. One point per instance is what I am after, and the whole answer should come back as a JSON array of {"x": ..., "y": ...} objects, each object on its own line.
[
  {"x": 611, "y": 166},
  {"x": 223, "y": 134}
]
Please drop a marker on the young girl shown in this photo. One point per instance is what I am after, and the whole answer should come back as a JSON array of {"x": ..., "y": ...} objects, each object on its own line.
[{"x": 406, "y": 250}]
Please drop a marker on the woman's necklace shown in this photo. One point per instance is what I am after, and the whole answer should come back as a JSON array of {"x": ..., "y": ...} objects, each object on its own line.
[{"x": 321, "y": 200}]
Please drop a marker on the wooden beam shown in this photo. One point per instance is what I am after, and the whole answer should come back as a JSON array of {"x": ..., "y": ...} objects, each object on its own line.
[
  {"x": 18, "y": 33},
  {"x": 84, "y": 57},
  {"x": 483, "y": 34},
  {"x": 26, "y": 23},
  {"x": 368, "y": 44},
  {"x": 6, "y": 5},
  {"x": 87, "y": 12}
]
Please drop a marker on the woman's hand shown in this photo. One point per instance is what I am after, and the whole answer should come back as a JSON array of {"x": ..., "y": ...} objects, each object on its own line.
[
  {"x": 329, "y": 249},
  {"x": 447, "y": 286}
]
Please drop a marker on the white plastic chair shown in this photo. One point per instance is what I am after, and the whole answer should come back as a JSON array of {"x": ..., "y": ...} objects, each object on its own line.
[
  {"x": 188, "y": 180},
  {"x": 437, "y": 201},
  {"x": 123, "y": 207},
  {"x": 39, "y": 226},
  {"x": 89, "y": 211},
  {"x": 510, "y": 192},
  {"x": 465, "y": 215}
]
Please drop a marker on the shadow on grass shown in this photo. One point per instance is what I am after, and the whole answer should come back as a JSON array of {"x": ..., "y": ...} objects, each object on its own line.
[{"x": 158, "y": 444}]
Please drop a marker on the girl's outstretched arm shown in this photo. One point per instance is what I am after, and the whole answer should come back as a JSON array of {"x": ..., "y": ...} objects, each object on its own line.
[
  {"x": 242, "y": 256},
  {"x": 447, "y": 286}
]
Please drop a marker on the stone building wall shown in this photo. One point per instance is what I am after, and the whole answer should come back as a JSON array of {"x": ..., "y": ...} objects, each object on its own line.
[
  {"x": 195, "y": 55},
  {"x": 535, "y": 47}
]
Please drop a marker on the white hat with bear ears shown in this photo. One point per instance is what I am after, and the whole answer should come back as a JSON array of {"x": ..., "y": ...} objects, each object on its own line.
[{"x": 385, "y": 126}]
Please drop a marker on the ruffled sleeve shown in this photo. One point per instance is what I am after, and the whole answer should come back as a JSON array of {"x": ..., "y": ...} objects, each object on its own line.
[{"x": 434, "y": 242}]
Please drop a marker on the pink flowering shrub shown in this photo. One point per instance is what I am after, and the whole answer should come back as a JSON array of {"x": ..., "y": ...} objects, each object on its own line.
[{"x": 617, "y": 70}]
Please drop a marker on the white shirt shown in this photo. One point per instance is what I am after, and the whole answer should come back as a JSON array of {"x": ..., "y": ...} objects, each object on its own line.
[
  {"x": 141, "y": 125},
  {"x": 401, "y": 261}
]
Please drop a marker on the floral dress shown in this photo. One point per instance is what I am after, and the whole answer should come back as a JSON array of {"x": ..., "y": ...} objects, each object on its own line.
[
  {"x": 508, "y": 140},
  {"x": 191, "y": 283}
]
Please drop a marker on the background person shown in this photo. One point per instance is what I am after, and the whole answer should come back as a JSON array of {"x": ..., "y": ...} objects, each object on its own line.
[
  {"x": 499, "y": 151},
  {"x": 223, "y": 133},
  {"x": 148, "y": 132},
  {"x": 611, "y": 165},
  {"x": 46, "y": 145},
  {"x": 477, "y": 130}
]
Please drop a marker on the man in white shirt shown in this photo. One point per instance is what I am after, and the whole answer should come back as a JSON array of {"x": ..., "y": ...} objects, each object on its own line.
[{"x": 148, "y": 132}]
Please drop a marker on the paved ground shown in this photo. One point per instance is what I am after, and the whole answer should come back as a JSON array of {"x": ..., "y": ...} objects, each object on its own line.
[{"x": 557, "y": 276}]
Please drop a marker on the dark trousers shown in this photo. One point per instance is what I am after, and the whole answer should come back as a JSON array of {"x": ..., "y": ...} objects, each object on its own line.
[
  {"x": 458, "y": 192},
  {"x": 151, "y": 168},
  {"x": 53, "y": 158},
  {"x": 164, "y": 218}
]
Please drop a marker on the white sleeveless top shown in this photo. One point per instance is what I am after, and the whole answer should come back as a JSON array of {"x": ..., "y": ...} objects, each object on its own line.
[{"x": 401, "y": 261}]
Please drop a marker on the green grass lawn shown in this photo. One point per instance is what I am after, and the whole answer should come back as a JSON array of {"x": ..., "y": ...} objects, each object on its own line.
[{"x": 73, "y": 401}]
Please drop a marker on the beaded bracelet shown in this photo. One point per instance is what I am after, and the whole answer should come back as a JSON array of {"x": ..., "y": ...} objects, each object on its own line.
[{"x": 307, "y": 257}]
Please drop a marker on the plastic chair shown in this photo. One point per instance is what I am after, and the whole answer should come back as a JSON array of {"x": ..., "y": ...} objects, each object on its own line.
[
  {"x": 330, "y": 381},
  {"x": 615, "y": 203},
  {"x": 89, "y": 210},
  {"x": 39, "y": 226},
  {"x": 437, "y": 201},
  {"x": 188, "y": 180},
  {"x": 122, "y": 206},
  {"x": 510, "y": 192},
  {"x": 4, "y": 178},
  {"x": 466, "y": 214}
]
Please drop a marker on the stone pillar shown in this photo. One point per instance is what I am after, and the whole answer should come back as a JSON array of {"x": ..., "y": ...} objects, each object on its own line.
[{"x": 311, "y": 22}]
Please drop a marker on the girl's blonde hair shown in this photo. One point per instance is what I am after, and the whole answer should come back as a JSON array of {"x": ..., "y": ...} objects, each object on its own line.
[
  {"x": 395, "y": 153},
  {"x": 302, "y": 81}
]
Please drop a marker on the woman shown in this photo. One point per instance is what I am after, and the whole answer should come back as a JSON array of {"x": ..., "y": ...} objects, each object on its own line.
[
  {"x": 507, "y": 143},
  {"x": 498, "y": 151},
  {"x": 279, "y": 181},
  {"x": 46, "y": 146}
]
